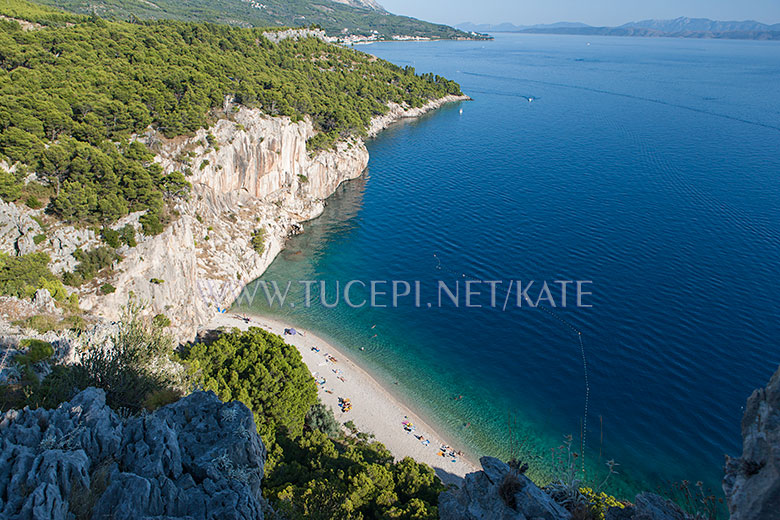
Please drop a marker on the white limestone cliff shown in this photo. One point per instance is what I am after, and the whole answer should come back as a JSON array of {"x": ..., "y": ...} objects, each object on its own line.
[{"x": 255, "y": 174}]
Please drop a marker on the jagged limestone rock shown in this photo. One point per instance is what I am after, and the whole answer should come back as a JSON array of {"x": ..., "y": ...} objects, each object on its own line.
[
  {"x": 479, "y": 498},
  {"x": 249, "y": 171},
  {"x": 197, "y": 458},
  {"x": 44, "y": 302},
  {"x": 648, "y": 506},
  {"x": 17, "y": 229},
  {"x": 752, "y": 481}
]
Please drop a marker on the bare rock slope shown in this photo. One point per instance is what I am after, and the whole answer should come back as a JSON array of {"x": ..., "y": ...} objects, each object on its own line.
[
  {"x": 752, "y": 481},
  {"x": 197, "y": 458},
  {"x": 250, "y": 173}
]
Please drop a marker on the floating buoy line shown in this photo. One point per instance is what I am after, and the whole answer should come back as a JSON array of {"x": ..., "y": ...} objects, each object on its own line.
[{"x": 584, "y": 430}]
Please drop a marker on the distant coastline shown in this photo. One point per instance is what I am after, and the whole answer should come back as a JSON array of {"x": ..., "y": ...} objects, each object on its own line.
[
  {"x": 649, "y": 33},
  {"x": 683, "y": 27}
]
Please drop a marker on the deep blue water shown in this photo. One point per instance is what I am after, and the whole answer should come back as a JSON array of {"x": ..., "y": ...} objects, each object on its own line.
[{"x": 649, "y": 166}]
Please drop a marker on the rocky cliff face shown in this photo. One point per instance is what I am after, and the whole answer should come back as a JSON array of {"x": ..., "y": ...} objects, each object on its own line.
[
  {"x": 482, "y": 496},
  {"x": 497, "y": 492},
  {"x": 17, "y": 229},
  {"x": 752, "y": 481},
  {"x": 197, "y": 458},
  {"x": 249, "y": 172}
]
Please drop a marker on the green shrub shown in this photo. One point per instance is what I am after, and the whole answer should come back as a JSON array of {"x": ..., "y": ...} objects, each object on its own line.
[
  {"x": 276, "y": 385},
  {"x": 321, "y": 477},
  {"x": 37, "y": 351},
  {"x": 74, "y": 322},
  {"x": 33, "y": 203},
  {"x": 123, "y": 367},
  {"x": 40, "y": 323},
  {"x": 40, "y": 222},
  {"x": 160, "y": 398},
  {"x": 321, "y": 141},
  {"x": 37, "y": 239},
  {"x": 37, "y": 191},
  {"x": 110, "y": 237},
  {"x": 321, "y": 418},
  {"x": 127, "y": 235},
  {"x": 308, "y": 473},
  {"x": 204, "y": 164},
  {"x": 10, "y": 187},
  {"x": 258, "y": 241},
  {"x": 156, "y": 281},
  {"x": 161, "y": 320},
  {"x": 90, "y": 264},
  {"x": 151, "y": 223},
  {"x": 22, "y": 276},
  {"x": 107, "y": 288}
]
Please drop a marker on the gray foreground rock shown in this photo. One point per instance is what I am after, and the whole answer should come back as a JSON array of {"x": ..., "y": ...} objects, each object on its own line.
[
  {"x": 479, "y": 498},
  {"x": 752, "y": 481},
  {"x": 648, "y": 506},
  {"x": 197, "y": 458}
]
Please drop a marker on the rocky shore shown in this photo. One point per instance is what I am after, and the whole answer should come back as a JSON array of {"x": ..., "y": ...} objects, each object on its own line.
[
  {"x": 201, "y": 458},
  {"x": 249, "y": 173}
]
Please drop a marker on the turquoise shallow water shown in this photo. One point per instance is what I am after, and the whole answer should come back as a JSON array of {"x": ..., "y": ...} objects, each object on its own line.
[{"x": 649, "y": 166}]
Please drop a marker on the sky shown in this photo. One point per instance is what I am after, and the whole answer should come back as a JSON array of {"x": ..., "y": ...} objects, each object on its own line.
[{"x": 592, "y": 12}]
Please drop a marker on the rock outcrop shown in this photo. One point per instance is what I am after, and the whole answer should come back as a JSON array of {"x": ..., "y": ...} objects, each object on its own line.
[
  {"x": 17, "y": 229},
  {"x": 497, "y": 492},
  {"x": 197, "y": 458},
  {"x": 294, "y": 34},
  {"x": 752, "y": 481},
  {"x": 480, "y": 497},
  {"x": 648, "y": 506},
  {"x": 249, "y": 172}
]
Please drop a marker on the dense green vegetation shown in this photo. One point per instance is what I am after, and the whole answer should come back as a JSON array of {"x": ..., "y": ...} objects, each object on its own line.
[
  {"x": 314, "y": 470},
  {"x": 258, "y": 241},
  {"x": 262, "y": 371},
  {"x": 130, "y": 367},
  {"x": 22, "y": 276},
  {"x": 72, "y": 95},
  {"x": 331, "y": 16},
  {"x": 90, "y": 264}
]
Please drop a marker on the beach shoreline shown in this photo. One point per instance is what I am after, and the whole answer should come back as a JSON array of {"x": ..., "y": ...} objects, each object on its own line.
[{"x": 374, "y": 409}]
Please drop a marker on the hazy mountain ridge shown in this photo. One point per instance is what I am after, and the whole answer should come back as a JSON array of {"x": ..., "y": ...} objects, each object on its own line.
[
  {"x": 510, "y": 27},
  {"x": 367, "y": 4},
  {"x": 682, "y": 27},
  {"x": 684, "y": 24},
  {"x": 336, "y": 17}
]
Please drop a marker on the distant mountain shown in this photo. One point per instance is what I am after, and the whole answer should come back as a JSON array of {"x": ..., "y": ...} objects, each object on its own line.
[
  {"x": 681, "y": 25},
  {"x": 336, "y": 17},
  {"x": 367, "y": 4},
  {"x": 677, "y": 28},
  {"x": 508, "y": 27}
]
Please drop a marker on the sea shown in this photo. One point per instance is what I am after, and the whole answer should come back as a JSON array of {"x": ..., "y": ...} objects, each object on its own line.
[{"x": 642, "y": 174}]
